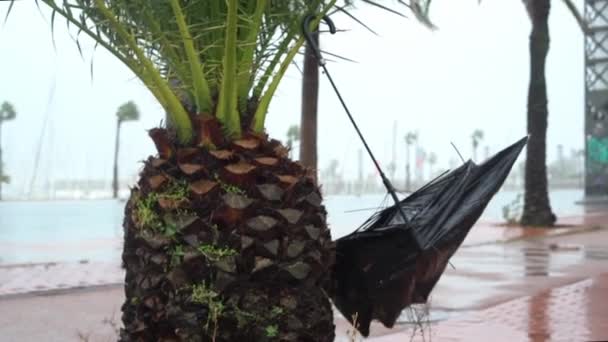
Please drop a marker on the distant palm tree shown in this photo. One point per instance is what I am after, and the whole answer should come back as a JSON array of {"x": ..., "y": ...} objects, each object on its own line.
[
  {"x": 126, "y": 112},
  {"x": 7, "y": 112},
  {"x": 476, "y": 137},
  {"x": 410, "y": 139},
  {"x": 537, "y": 208}
]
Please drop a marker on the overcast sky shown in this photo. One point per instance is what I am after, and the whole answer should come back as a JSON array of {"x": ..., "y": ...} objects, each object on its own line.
[{"x": 470, "y": 74}]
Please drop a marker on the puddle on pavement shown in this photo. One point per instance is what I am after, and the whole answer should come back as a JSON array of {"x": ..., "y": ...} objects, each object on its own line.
[
  {"x": 526, "y": 259},
  {"x": 596, "y": 253},
  {"x": 548, "y": 260}
]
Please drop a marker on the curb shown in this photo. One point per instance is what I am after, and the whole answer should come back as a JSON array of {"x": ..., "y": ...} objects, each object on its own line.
[
  {"x": 572, "y": 231},
  {"x": 62, "y": 291}
]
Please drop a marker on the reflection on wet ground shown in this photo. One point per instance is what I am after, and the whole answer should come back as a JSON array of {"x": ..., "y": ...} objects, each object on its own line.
[
  {"x": 492, "y": 270},
  {"x": 486, "y": 296},
  {"x": 575, "y": 312},
  {"x": 551, "y": 289}
]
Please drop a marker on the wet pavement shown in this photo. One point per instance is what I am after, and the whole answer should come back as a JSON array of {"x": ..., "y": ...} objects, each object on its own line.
[
  {"x": 480, "y": 251},
  {"x": 508, "y": 283},
  {"x": 22, "y": 279},
  {"x": 575, "y": 312}
]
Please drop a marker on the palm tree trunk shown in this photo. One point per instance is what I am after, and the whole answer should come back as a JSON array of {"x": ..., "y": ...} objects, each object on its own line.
[
  {"x": 115, "y": 175},
  {"x": 407, "y": 168},
  {"x": 310, "y": 99},
  {"x": 537, "y": 210},
  {"x": 474, "y": 153}
]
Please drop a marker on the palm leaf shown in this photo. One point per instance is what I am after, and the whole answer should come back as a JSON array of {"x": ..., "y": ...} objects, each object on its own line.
[
  {"x": 576, "y": 14},
  {"x": 226, "y": 58},
  {"x": 228, "y": 101}
]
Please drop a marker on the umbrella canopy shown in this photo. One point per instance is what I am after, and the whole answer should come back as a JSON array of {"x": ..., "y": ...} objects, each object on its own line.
[{"x": 380, "y": 270}]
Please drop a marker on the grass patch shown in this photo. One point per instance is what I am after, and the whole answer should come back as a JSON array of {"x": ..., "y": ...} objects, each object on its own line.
[
  {"x": 202, "y": 294},
  {"x": 245, "y": 318},
  {"x": 215, "y": 253},
  {"x": 145, "y": 212},
  {"x": 232, "y": 189},
  {"x": 228, "y": 188},
  {"x": 177, "y": 254},
  {"x": 177, "y": 190},
  {"x": 272, "y": 330},
  {"x": 512, "y": 211},
  {"x": 276, "y": 311},
  {"x": 169, "y": 230},
  {"x": 264, "y": 319}
]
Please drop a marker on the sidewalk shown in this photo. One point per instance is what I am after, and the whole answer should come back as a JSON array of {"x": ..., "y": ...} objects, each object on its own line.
[
  {"x": 576, "y": 312},
  {"x": 512, "y": 283},
  {"x": 22, "y": 279},
  {"x": 29, "y": 278}
]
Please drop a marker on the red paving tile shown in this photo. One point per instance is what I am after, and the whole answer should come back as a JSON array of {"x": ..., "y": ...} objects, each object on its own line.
[
  {"x": 22, "y": 279},
  {"x": 491, "y": 232},
  {"x": 576, "y": 312}
]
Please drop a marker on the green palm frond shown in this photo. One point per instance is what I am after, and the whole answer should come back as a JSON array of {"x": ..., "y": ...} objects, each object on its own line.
[
  {"x": 421, "y": 8},
  {"x": 382, "y": 7},
  {"x": 224, "y": 57},
  {"x": 212, "y": 53}
]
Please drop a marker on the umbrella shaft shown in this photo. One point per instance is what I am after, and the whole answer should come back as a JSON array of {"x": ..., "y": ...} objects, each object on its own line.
[{"x": 387, "y": 183}]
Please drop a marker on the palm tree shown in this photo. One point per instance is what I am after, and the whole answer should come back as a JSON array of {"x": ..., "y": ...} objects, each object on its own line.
[
  {"x": 476, "y": 137},
  {"x": 218, "y": 244},
  {"x": 225, "y": 237},
  {"x": 126, "y": 112},
  {"x": 537, "y": 209},
  {"x": 410, "y": 139},
  {"x": 7, "y": 113}
]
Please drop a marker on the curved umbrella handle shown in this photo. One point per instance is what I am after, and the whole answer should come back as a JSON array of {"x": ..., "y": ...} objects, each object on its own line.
[{"x": 308, "y": 35}]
